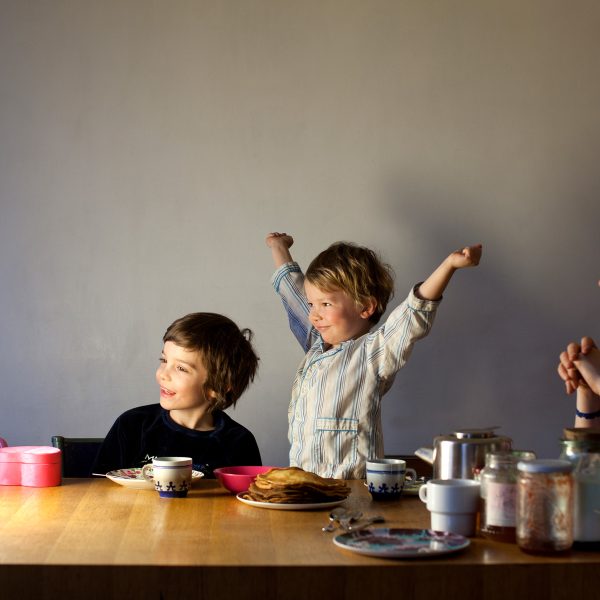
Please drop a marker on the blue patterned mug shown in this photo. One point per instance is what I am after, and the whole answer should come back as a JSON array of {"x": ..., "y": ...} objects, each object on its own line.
[
  {"x": 386, "y": 476},
  {"x": 171, "y": 475}
]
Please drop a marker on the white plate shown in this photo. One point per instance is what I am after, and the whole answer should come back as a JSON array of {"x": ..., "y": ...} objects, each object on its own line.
[
  {"x": 132, "y": 478},
  {"x": 401, "y": 543},
  {"x": 282, "y": 506}
]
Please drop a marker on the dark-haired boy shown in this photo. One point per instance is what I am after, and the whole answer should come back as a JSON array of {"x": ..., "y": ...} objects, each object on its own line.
[{"x": 206, "y": 364}]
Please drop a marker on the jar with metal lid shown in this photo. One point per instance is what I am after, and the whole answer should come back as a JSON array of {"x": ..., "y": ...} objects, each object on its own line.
[
  {"x": 545, "y": 506},
  {"x": 499, "y": 494},
  {"x": 577, "y": 441}
]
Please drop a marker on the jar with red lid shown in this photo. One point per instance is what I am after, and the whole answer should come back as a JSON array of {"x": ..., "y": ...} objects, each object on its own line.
[{"x": 545, "y": 506}]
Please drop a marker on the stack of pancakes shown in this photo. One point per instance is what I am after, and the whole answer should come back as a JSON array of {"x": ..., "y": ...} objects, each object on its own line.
[{"x": 292, "y": 485}]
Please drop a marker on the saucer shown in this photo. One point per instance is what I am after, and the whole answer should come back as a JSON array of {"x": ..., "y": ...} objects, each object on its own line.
[
  {"x": 133, "y": 478},
  {"x": 401, "y": 543}
]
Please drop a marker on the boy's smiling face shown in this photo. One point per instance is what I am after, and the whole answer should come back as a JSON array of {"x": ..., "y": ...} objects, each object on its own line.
[
  {"x": 335, "y": 315},
  {"x": 181, "y": 376}
]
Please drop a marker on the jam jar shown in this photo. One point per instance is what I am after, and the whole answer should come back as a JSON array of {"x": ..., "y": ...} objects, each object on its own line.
[
  {"x": 545, "y": 506},
  {"x": 499, "y": 494}
]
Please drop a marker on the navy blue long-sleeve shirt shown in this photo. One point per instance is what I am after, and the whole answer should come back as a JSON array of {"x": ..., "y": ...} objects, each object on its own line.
[{"x": 146, "y": 432}]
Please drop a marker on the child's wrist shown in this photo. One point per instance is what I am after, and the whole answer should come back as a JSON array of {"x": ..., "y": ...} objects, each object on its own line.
[
  {"x": 588, "y": 416},
  {"x": 587, "y": 405},
  {"x": 449, "y": 265}
]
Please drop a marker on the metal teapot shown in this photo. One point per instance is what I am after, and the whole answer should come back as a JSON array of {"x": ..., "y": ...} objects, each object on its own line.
[{"x": 461, "y": 454}]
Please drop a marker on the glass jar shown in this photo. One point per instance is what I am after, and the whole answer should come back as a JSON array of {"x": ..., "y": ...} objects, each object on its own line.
[
  {"x": 577, "y": 441},
  {"x": 545, "y": 506},
  {"x": 499, "y": 494},
  {"x": 586, "y": 509}
]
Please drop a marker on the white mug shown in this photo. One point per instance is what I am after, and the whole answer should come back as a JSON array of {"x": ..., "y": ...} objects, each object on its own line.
[
  {"x": 171, "y": 475},
  {"x": 386, "y": 477},
  {"x": 453, "y": 504}
]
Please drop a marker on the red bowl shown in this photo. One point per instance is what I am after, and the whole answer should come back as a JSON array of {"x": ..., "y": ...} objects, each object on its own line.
[{"x": 238, "y": 479}]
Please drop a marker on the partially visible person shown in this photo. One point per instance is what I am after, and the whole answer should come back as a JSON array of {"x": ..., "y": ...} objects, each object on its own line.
[
  {"x": 579, "y": 368},
  {"x": 206, "y": 364}
]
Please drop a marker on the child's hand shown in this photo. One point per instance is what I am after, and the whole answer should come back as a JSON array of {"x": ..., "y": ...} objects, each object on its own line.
[
  {"x": 580, "y": 366},
  {"x": 588, "y": 357},
  {"x": 280, "y": 244},
  {"x": 467, "y": 257},
  {"x": 567, "y": 370},
  {"x": 433, "y": 287},
  {"x": 280, "y": 240}
]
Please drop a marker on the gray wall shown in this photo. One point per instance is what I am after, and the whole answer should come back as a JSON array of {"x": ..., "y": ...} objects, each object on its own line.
[{"x": 147, "y": 147}]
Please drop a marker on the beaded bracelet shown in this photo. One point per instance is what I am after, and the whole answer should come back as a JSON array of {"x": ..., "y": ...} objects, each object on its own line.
[{"x": 584, "y": 415}]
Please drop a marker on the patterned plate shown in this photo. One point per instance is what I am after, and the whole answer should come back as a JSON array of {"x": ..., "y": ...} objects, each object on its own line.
[
  {"x": 132, "y": 478},
  {"x": 401, "y": 543}
]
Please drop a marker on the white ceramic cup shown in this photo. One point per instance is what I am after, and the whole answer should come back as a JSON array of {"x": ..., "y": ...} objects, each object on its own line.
[
  {"x": 453, "y": 504},
  {"x": 386, "y": 476},
  {"x": 171, "y": 475}
]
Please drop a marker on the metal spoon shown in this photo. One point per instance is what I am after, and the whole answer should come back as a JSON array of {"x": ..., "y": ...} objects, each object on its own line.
[
  {"x": 349, "y": 518},
  {"x": 366, "y": 523},
  {"x": 334, "y": 516}
]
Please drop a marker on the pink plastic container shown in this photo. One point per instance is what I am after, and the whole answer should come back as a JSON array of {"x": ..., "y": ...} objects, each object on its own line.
[{"x": 31, "y": 466}]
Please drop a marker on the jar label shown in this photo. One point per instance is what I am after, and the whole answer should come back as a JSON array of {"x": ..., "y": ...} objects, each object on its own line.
[{"x": 500, "y": 504}]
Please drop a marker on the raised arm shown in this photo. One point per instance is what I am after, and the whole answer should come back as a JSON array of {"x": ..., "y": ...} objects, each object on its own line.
[
  {"x": 433, "y": 287},
  {"x": 288, "y": 281},
  {"x": 280, "y": 244}
]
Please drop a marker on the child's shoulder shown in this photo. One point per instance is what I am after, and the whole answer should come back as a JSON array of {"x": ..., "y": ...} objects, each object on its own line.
[
  {"x": 140, "y": 413},
  {"x": 228, "y": 426}
]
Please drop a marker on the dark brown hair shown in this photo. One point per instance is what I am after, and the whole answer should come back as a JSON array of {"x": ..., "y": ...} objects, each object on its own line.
[
  {"x": 356, "y": 270},
  {"x": 227, "y": 354}
]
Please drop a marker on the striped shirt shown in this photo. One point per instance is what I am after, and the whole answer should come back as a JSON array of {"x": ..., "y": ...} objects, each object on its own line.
[{"x": 335, "y": 412}]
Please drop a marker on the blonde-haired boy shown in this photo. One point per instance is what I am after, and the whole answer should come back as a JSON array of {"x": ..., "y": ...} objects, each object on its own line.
[{"x": 335, "y": 413}]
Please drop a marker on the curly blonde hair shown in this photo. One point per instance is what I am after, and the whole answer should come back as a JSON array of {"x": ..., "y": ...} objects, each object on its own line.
[{"x": 356, "y": 270}]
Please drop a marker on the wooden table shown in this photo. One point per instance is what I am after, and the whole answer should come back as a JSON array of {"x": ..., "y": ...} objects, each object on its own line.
[{"x": 95, "y": 539}]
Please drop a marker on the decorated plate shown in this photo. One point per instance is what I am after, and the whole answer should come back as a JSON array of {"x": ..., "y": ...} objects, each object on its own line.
[
  {"x": 401, "y": 543},
  {"x": 304, "y": 506},
  {"x": 133, "y": 478}
]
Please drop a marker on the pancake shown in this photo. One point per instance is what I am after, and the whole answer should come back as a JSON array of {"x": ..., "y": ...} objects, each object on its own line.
[{"x": 292, "y": 485}]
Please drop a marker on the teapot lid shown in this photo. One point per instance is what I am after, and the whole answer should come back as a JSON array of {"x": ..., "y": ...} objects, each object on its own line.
[{"x": 486, "y": 432}]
